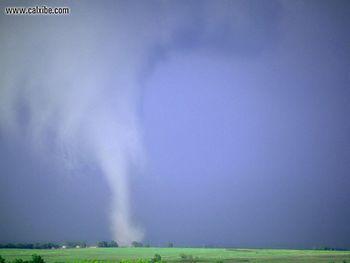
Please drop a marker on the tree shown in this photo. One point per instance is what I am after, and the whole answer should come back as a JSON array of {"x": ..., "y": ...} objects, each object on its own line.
[
  {"x": 2, "y": 260},
  {"x": 156, "y": 258},
  {"x": 113, "y": 244},
  {"x": 37, "y": 259},
  {"x": 83, "y": 245},
  {"x": 170, "y": 244},
  {"x": 136, "y": 244},
  {"x": 102, "y": 244}
]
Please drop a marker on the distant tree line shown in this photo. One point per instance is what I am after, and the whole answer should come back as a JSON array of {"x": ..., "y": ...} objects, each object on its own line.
[
  {"x": 140, "y": 244},
  {"x": 48, "y": 245},
  {"x": 137, "y": 244},
  {"x": 75, "y": 244},
  {"x": 330, "y": 248},
  {"x": 72, "y": 244},
  {"x": 107, "y": 244}
]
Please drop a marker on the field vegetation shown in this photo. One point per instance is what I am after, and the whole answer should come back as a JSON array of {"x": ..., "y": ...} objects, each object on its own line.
[{"x": 151, "y": 255}]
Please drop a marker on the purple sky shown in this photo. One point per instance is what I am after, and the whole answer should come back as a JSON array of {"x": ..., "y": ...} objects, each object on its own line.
[{"x": 220, "y": 123}]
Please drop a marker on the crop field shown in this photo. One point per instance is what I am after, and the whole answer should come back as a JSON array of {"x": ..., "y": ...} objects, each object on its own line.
[{"x": 178, "y": 255}]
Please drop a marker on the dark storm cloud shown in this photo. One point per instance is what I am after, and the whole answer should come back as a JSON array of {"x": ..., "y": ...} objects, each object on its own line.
[
  {"x": 253, "y": 150},
  {"x": 231, "y": 26}
]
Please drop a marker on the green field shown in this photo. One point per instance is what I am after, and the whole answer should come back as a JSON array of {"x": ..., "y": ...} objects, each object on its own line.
[{"x": 174, "y": 255}]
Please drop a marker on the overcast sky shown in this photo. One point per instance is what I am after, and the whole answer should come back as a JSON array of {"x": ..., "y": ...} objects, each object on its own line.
[{"x": 217, "y": 123}]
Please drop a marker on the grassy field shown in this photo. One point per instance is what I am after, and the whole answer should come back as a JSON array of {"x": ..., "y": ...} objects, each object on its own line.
[{"x": 174, "y": 255}]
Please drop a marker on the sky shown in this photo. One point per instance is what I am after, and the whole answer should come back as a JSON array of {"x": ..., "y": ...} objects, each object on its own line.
[{"x": 202, "y": 123}]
